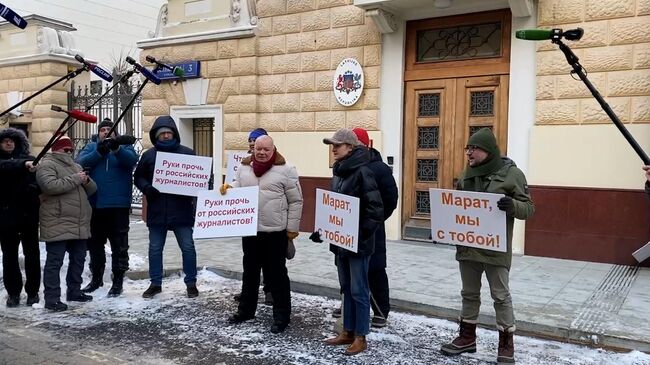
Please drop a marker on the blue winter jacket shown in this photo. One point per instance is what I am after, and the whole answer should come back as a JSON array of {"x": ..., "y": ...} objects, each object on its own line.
[{"x": 112, "y": 174}]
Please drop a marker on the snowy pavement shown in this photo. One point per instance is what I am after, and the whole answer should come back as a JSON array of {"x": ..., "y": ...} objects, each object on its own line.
[{"x": 172, "y": 329}]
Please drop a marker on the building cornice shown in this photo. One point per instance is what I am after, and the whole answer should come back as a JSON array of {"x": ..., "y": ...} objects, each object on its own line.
[
  {"x": 34, "y": 19},
  {"x": 213, "y": 35},
  {"x": 46, "y": 57}
]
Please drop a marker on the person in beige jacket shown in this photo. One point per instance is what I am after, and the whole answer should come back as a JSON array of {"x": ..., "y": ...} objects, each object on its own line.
[
  {"x": 278, "y": 221},
  {"x": 65, "y": 222}
]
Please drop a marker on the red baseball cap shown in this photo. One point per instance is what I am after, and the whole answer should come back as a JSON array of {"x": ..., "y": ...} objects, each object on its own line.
[{"x": 362, "y": 135}]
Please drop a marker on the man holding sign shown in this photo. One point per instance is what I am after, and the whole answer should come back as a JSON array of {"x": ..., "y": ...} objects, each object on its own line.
[
  {"x": 489, "y": 172},
  {"x": 166, "y": 212},
  {"x": 278, "y": 221}
]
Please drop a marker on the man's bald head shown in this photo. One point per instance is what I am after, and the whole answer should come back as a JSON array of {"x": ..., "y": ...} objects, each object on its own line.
[{"x": 264, "y": 148}]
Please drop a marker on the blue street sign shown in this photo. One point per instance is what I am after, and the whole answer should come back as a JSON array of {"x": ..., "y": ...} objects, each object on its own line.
[{"x": 192, "y": 70}]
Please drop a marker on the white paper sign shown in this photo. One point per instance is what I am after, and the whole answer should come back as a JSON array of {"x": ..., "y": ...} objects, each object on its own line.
[
  {"x": 468, "y": 218},
  {"x": 233, "y": 162},
  {"x": 180, "y": 174},
  {"x": 337, "y": 219},
  {"x": 230, "y": 215}
]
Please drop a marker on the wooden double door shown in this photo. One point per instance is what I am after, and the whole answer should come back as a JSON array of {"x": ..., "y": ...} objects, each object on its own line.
[{"x": 440, "y": 115}]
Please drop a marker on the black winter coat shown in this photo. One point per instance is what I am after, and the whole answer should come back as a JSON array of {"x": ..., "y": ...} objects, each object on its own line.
[
  {"x": 19, "y": 192},
  {"x": 168, "y": 210},
  {"x": 353, "y": 177},
  {"x": 388, "y": 190}
]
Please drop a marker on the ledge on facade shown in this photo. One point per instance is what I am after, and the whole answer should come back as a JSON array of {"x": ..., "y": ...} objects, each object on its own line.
[
  {"x": 419, "y": 9},
  {"x": 33, "y": 19},
  {"x": 37, "y": 58},
  {"x": 214, "y": 35}
]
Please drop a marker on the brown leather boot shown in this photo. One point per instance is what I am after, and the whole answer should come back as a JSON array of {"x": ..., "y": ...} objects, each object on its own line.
[
  {"x": 344, "y": 338},
  {"x": 506, "y": 354},
  {"x": 359, "y": 345},
  {"x": 465, "y": 342}
]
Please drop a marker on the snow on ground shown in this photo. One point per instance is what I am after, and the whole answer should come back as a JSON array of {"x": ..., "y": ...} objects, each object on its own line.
[{"x": 196, "y": 331}]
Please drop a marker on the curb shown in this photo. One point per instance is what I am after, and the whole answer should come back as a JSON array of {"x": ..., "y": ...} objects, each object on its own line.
[{"x": 562, "y": 334}]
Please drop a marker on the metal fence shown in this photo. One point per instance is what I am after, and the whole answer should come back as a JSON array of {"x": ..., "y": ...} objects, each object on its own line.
[{"x": 110, "y": 106}]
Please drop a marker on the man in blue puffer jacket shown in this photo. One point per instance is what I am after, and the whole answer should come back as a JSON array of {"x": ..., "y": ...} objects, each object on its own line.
[{"x": 111, "y": 167}]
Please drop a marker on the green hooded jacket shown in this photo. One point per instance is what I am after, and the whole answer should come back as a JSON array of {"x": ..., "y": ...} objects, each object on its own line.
[{"x": 505, "y": 179}]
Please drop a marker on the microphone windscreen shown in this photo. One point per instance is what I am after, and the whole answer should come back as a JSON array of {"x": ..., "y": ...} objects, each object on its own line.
[
  {"x": 124, "y": 139},
  {"x": 82, "y": 116},
  {"x": 150, "y": 76},
  {"x": 179, "y": 72},
  {"x": 105, "y": 75}
]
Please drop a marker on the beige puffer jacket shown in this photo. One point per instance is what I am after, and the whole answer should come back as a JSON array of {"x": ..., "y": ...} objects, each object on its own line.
[
  {"x": 280, "y": 197},
  {"x": 65, "y": 211}
]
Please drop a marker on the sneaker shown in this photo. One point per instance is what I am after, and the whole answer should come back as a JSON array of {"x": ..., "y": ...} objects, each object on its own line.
[
  {"x": 56, "y": 307},
  {"x": 152, "y": 291},
  {"x": 336, "y": 313},
  {"x": 378, "y": 321},
  {"x": 13, "y": 301},
  {"x": 239, "y": 318},
  {"x": 32, "y": 299},
  {"x": 81, "y": 297},
  {"x": 192, "y": 291}
]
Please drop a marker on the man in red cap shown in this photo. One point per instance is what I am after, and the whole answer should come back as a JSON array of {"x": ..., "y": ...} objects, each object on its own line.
[
  {"x": 377, "y": 278},
  {"x": 65, "y": 222}
]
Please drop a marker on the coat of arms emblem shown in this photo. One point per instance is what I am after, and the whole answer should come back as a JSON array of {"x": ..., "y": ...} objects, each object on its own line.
[{"x": 348, "y": 82}]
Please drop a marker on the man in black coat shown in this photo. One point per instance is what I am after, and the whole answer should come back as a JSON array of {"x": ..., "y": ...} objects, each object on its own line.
[
  {"x": 166, "y": 212},
  {"x": 377, "y": 278},
  {"x": 19, "y": 206}
]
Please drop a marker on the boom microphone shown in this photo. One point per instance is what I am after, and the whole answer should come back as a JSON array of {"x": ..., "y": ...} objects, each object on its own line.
[
  {"x": 144, "y": 71},
  {"x": 544, "y": 34},
  {"x": 12, "y": 17},
  {"x": 76, "y": 114},
  {"x": 105, "y": 75},
  {"x": 177, "y": 71}
]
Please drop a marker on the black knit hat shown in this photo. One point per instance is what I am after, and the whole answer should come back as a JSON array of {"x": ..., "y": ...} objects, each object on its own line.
[
  {"x": 485, "y": 140},
  {"x": 105, "y": 123}
]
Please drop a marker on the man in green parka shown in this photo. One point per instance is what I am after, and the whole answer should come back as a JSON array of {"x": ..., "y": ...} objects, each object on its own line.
[{"x": 491, "y": 173}]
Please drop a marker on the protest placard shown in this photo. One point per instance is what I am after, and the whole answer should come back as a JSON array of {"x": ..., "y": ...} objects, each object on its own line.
[
  {"x": 468, "y": 218},
  {"x": 179, "y": 174},
  {"x": 337, "y": 219},
  {"x": 230, "y": 215},
  {"x": 233, "y": 161}
]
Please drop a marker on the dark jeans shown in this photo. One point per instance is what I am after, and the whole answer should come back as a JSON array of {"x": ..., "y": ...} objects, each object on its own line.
[
  {"x": 266, "y": 251},
  {"x": 111, "y": 224},
  {"x": 380, "y": 301},
  {"x": 12, "y": 277},
  {"x": 353, "y": 278},
  {"x": 157, "y": 238},
  {"x": 56, "y": 250}
]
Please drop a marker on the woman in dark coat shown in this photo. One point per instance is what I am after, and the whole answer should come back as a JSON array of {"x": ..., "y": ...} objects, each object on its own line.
[
  {"x": 353, "y": 177},
  {"x": 18, "y": 217}
]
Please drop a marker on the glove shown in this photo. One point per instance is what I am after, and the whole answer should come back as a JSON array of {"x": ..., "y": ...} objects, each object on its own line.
[
  {"x": 150, "y": 192},
  {"x": 315, "y": 237},
  {"x": 292, "y": 235},
  {"x": 224, "y": 188},
  {"x": 291, "y": 250},
  {"x": 112, "y": 144},
  {"x": 103, "y": 148},
  {"x": 507, "y": 205}
]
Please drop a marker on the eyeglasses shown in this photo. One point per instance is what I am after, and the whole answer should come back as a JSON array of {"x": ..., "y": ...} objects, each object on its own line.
[
  {"x": 68, "y": 150},
  {"x": 471, "y": 149}
]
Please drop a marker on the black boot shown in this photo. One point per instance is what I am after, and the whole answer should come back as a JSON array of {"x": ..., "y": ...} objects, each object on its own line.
[
  {"x": 97, "y": 280},
  {"x": 116, "y": 289}
]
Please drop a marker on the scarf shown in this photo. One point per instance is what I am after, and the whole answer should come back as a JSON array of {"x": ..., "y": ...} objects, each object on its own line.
[
  {"x": 167, "y": 146},
  {"x": 260, "y": 168}
]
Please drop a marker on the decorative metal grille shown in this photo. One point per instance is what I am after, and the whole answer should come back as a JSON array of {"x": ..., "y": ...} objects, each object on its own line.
[
  {"x": 474, "y": 129},
  {"x": 429, "y": 105},
  {"x": 203, "y": 130},
  {"x": 458, "y": 43},
  {"x": 427, "y": 170},
  {"x": 422, "y": 203},
  {"x": 428, "y": 137},
  {"x": 108, "y": 107},
  {"x": 482, "y": 103}
]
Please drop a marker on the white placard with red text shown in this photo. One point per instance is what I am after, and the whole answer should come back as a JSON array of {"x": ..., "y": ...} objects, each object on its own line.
[
  {"x": 231, "y": 215},
  {"x": 180, "y": 174},
  {"x": 337, "y": 219},
  {"x": 233, "y": 161},
  {"x": 468, "y": 218}
]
